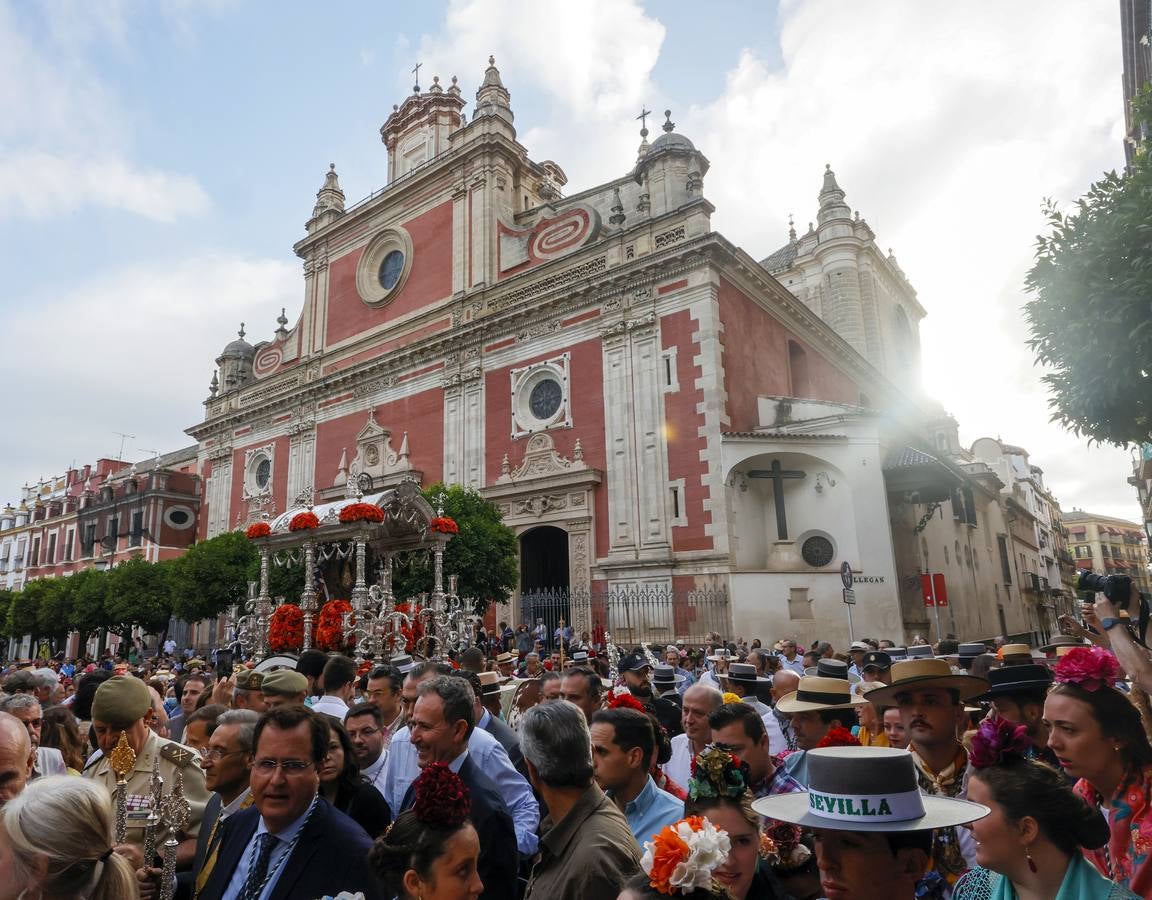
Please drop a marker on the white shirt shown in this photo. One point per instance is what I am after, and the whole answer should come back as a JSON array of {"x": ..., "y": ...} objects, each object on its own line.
[
  {"x": 402, "y": 768},
  {"x": 331, "y": 706},
  {"x": 796, "y": 665},
  {"x": 234, "y": 806},
  {"x": 374, "y": 774},
  {"x": 679, "y": 765},
  {"x": 50, "y": 761},
  {"x": 710, "y": 679},
  {"x": 777, "y": 743}
]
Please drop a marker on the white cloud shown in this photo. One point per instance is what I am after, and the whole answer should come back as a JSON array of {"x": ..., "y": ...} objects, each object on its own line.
[
  {"x": 129, "y": 351},
  {"x": 65, "y": 143},
  {"x": 38, "y": 185},
  {"x": 947, "y": 124}
]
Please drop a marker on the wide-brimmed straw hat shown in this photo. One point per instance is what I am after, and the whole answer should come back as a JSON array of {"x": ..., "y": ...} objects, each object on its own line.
[
  {"x": 1062, "y": 640},
  {"x": 722, "y": 654},
  {"x": 666, "y": 675},
  {"x": 506, "y": 658},
  {"x": 832, "y": 668},
  {"x": 495, "y": 683},
  {"x": 816, "y": 693},
  {"x": 928, "y": 673},
  {"x": 1015, "y": 651},
  {"x": 866, "y": 789}
]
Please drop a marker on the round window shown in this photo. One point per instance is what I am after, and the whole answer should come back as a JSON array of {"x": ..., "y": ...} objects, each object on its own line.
[
  {"x": 544, "y": 401},
  {"x": 391, "y": 269},
  {"x": 178, "y": 517},
  {"x": 817, "y": 551},
  {"x": 263, "y": 472}
]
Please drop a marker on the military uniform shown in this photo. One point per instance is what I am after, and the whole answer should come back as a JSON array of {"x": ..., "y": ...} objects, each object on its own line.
[{"x": 173, "y": 758}]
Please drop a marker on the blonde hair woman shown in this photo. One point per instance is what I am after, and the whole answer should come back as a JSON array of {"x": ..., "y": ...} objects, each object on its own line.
[{"x": 56, "y": 843}]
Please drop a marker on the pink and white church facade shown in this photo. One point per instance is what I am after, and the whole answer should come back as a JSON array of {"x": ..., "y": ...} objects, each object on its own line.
[{"x": 637, "y": 394}]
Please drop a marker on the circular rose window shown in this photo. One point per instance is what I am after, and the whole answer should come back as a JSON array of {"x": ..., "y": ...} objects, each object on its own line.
[{"x": 817, "y": 551}]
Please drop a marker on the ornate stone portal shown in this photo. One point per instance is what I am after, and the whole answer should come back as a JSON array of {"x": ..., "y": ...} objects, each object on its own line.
[{"x": 550, "y": 489}]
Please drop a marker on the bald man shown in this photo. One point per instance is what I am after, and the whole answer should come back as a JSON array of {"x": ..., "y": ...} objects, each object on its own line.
[
  {"x": 778, "y": 725},
  {"x": 16, "y": 757},
  {"x": 699, "y": 702}
]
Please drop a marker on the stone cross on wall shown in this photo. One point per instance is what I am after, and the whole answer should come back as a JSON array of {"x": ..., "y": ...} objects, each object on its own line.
[{"x": 777, "y": 474}]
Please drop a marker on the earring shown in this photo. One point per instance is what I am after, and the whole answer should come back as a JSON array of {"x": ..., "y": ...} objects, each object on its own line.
[{"x": 1031, "y": 862}]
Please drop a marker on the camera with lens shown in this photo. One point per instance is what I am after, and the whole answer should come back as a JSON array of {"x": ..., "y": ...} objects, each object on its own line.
[{"x": 1117, "y": 588}]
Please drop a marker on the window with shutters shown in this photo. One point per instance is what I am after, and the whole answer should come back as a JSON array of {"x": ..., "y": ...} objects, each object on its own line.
[
  {"x": 1005, "y": 562},
  {"x": 137, "y": 531}
]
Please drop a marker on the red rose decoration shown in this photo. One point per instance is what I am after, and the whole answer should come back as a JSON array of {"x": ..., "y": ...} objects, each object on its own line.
[
  {"x": 361, "y": 512},
  {"x": 625, "y": 700},
  {"x": 1089, "y": 667},
  {"x": 303, "y": 521},
  {"x": 258, "y": 530},
  {"x": 442, "y": 799},
  {"x": 444, "y": 525},
  {"x": 838, "y": 737},
  {"x": 286, "y": 630},
  {"x": 330, "y": 626}
]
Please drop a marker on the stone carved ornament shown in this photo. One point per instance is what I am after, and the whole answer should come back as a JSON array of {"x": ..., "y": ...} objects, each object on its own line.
[
  {"x": 375, "y": 455},
  {"x": 541, "y": 460}
]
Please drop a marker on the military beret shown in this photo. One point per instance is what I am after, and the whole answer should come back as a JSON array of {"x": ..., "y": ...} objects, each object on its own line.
[
  {"x": 121, "y": 700},
  {"x": 284, "y": 681},
  {"x": 249, "y": 681}
]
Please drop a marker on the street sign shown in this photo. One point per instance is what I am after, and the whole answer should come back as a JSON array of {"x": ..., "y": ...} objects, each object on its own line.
[
  {"x": 846, "y": 576},
  {"x": 849, "y": 596}
]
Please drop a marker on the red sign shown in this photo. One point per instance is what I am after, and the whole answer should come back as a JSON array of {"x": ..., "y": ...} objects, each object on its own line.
[{"x": 934, "y": 590}]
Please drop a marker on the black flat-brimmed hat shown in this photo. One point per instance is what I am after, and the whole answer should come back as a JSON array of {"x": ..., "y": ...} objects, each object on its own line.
[
  {"x": 745, "y": 673},
  {"x": 816, "y": 693},
  {"x": 579, "y": 658},
  {"x": 919, "y": 651},
  {"x": 403, "y": 662},
  {"x": 634, "y": 662},
  {"x": 666, "y": 675},
  {"x": 1014, "y": 679},
  {"x": 832, "y": 668},
  {"x": 877, "y": 659},
  {"x": 968, "y": 651},
  {"x": 866, "y": 789},
  {"x": 927, "y": 673}
]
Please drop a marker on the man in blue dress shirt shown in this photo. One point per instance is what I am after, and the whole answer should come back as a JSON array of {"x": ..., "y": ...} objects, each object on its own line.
[{"x": 623, "y": 745}]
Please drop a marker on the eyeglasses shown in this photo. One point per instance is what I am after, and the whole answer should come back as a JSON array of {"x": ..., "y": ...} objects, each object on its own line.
[
  {"x": 292, "y": 767},
  {"x": 215, "y": 753},
  {"x": 363, "y": 732}
]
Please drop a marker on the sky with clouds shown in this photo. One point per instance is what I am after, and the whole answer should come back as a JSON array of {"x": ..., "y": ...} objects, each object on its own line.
[{"x": 158, "y": 158}]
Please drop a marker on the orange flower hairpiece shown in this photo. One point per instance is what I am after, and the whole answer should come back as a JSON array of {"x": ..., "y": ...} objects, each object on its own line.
[{"x": 682, "y": 856}]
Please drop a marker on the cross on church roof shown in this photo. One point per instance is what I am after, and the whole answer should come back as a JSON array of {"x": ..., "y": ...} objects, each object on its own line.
[
  {"x": 643, "y": 117},
  {"x": 416, "y": 78}
]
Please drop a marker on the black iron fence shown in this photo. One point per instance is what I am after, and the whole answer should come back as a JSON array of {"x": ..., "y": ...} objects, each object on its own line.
[{"x": 632, "y": 614}]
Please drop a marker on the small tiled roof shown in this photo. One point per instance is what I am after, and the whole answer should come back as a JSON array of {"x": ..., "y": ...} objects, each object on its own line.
[
  {"x": 909, "y": 458},
  {"x": 783, "y": 436},
  {"x": 782, "y": 258}
]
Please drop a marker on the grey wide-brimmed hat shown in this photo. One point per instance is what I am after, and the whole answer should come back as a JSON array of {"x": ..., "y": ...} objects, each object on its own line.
[
  {"x": 403, "y": 662},
  {"x": 816, "y": 693},
  {"x": 666, "y": 675},
  {"x": 919, "y": 651},
  {"x": 866, "y": 789},
  {"x": 832, "y": 668},
  {"x": 745, "y": 673}
]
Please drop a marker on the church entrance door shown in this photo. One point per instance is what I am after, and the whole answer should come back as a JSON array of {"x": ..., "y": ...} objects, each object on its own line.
[{"x": 544, "y": 580}]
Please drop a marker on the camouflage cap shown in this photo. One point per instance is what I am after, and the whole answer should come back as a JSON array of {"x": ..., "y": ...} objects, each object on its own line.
[
  {"x": 121, "y": 700},
  {"x": 284, "y": 681},
  {"x": 248, "y": 680}
]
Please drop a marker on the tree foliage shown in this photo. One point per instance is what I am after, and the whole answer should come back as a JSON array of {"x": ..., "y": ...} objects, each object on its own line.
[
  {"x": 483, "y": 555},
  {"x": 1091, "y": 316},
  {"x": 51, "y": 600},
  {"x": 213, "y": 575},
  {"x": 139, "y": 593},
  {"x": 89, "y": 595}
]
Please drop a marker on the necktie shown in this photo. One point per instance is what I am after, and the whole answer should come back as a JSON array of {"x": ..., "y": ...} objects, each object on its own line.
[{"x": 259, "y": 871}]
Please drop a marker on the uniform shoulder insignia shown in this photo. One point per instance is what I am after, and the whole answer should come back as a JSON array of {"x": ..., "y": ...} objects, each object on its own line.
[
  {"x": 96, "y": 757},
  {"x": 174, "y": 753}
]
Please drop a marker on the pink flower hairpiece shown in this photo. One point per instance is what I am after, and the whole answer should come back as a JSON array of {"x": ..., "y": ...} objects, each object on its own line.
[
  {"x": 1090, "y": 668},
  {"x": 998, "y": 741}
]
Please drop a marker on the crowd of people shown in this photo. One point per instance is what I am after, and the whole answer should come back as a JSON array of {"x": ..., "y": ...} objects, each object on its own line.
[{"x": 730, "y": 771}]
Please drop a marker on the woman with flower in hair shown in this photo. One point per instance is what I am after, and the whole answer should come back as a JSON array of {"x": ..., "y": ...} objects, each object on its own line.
[
  {"x": 718, "y": 790},
  {"x": 1030, "y": 844},
  {"x": 1098, "y": 738},
  {"x": 430, "y": 852},
  {"x": 681, "y": 861}
]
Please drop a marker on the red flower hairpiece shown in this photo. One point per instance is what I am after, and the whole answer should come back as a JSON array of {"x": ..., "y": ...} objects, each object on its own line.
[
  {"x": 998, "y": 741},
  {"x": 838, "y": 737},
  {"x": 625, "y": 700},
  {"x": 1090, "y": 668},
  {"x": 258, "y": 530},
  {"x": 442, "y": 799}
]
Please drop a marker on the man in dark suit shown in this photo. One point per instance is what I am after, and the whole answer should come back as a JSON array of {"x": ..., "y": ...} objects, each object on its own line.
[
  {"x": 441, "y": 723},
  {"x": 291, "y": 843}
]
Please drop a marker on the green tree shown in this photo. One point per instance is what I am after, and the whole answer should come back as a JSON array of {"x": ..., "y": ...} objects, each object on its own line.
[
  {"x": 139, "y": 593},
  {"x": 213, "y": 575},
  {"x": 483, "y": 555},
  {"x": 89, "y": 596},
  {"x": 5, "y": 606},
  {"x": 22, "y": 615},
  {"x": 1091, "y": 319},
  {"x": 51, "y": 599}
]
